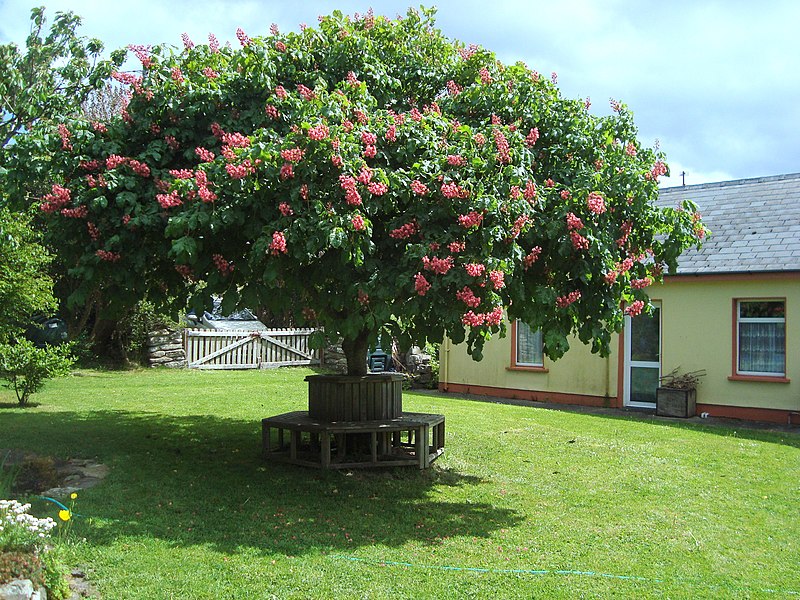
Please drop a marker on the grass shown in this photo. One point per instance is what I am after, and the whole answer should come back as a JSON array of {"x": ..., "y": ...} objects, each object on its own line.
[{"x": 526, "y": 502}]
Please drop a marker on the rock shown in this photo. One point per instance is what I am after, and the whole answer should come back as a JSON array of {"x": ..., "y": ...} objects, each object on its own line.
[
  {"x": 95, "y": 470},
  {"x": 21, "y": 589}
]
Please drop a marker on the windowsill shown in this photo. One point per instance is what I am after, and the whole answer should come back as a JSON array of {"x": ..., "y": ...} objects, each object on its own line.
[
  {"x": 759, "y": 378},
  {"x": 528, "y": 369}
]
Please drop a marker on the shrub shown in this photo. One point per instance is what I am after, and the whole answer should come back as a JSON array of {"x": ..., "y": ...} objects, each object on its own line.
[
  {"x": 26, "y": 367},
  {"x": 21, "y": 565}
]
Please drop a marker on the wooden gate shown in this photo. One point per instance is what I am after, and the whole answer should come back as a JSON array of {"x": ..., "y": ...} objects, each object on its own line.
[{"x": 218, "y": 349}]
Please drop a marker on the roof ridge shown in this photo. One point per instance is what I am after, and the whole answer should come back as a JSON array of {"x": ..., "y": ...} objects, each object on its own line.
[{"x": 732, "y": 182}]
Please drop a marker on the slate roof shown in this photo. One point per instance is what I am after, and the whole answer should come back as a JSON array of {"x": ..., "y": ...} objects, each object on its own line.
[{"x": 755, "y": 225}]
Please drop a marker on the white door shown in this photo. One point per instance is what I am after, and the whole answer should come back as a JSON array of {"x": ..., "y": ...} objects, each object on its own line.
[{"x": 642, "y": 359}]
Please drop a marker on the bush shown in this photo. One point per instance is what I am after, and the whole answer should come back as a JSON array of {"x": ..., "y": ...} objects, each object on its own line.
[
  {"x": 21, "y": 565},
  {"x": 26, "y": 367}
]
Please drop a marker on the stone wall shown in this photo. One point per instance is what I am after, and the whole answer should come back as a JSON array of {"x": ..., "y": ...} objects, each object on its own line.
[
  {"x": 165, "y": 348},
  {"x": 333, "y": 358}
]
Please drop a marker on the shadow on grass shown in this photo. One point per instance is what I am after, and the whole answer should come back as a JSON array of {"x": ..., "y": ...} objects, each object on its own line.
[{"x": 193, "y": 480}]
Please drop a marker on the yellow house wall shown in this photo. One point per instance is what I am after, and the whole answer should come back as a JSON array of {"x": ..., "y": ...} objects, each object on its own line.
[
  {"x": 697, "y": 333},
  {"x": 697, "y": 325},
  {"x": 578, "y": 372}
]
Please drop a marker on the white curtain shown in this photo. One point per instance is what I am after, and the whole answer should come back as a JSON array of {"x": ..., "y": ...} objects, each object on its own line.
[{"x": 762, "y": 347}]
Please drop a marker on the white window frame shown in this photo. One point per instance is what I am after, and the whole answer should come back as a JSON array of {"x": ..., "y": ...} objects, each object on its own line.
[
  {"x": 517, "y": 362},
  {"x": 740, "y": 319}
]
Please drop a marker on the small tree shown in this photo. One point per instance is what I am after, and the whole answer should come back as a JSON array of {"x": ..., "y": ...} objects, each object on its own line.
[
  {"x": 369, "y": 175},
  {"x": 26, "y": 367}
]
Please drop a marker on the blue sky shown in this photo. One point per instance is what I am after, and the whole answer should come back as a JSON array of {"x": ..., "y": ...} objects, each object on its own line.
[{"x": 717, "y": 83}]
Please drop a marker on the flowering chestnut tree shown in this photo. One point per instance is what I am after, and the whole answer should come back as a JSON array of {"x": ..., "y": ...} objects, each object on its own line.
[{"x": 368, "y": 175}]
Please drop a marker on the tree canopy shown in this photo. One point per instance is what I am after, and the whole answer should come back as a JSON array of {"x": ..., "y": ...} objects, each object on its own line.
[{"x": 367, "y": 175}]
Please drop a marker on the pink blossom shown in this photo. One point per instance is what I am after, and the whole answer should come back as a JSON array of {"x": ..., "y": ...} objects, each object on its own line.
[
  {"x": 113, "y": 161},
  {"x": 456, "y": 247},
  {"x": 368, "y": 139},
  {"x": 285, "y": 209},
  {"x": 94, "y": 232},
  {"x": 497, "y": 278},
  {"x": 304, "y": 191},
  {"x": 501, "y": 143},
  {"x": 108, "y": 256},
  {"x": 187, "y": 43},
  {"x": 206, "y": 195},
  {"x": 210, "y": 73},
  {"x": 177, "y": 76},
  {"x": 532, "y": 137},
  {"x": 549, "y": 183},
  {"x": 242, "y": 37},
  {"x": 639, "y": 284},
  {"x": 419, "y": 188},
  {"x": 273, "y": 29},
  {"x": 203, "y": 154},
  {"x": 169, "y": 200},
  {"x": 415, "y": 115},
  {"x": 421, "y": 284},
  {"x": 306, "y": 93},
  {"x": 287, "y": 171},
  {"x": 172, "y": 142},
  {"x": 377, "y": 188},
  {"x": 235, "y": 140},
  {"x": 391, "y": 133},
  {"x": 496, "y": 120},
  {"x": 139, "y": 168},
  {"x": 370, "y": 151},
  {"x": 531, "y": 257},
  {"x": 358, "y": 222},
  {"x": 456, "y": 160},
  {"x": 182, "y": 173},
  {"x": 479, "y": 139},
  {"x": 564, "y": 194},
  {"x": 213, "y": 43},
  {"x": 473, "y": 320},
  {"x": 240, "y": 171},
  {"x": 578, "y": 241},
  {"x": 361, "y": 116},
  {"x": 281, "y": 92},
  {"x": 635, "y": 308},
  {"x": 468, "y": 297},
  {"x": 99, "y": 127},
  {"x": 453, "y": 88},
  {"x": 272, "y": 112},
  {"x": 337, "y": 161},
  {"x": 278, "y": 244},
  {"x": 494, "y": 317},
  {"x": 79, "y": 212},
  {"x": 554, "y": 77},
  {"x": 223, "y": 266},
  {"x": 596, "y": 203},
  {"x": 475, "y": 269},
  {"x": 405, "y": 231},
  {"x": 452, "y": 191},
  {"x": 365, "y": 175},
  {"x": 471, "y": 219},
  {"x": 65, "y": 135},
  {"x": 363, "y": 297},
  {"x": 440, "y": 266},
  {"x": 319, "y": 133},
  {"x": 515, "y": 192},
  {"x": 292, "y": 155},
  {"x": 280, "y": 46},
  {"x": 566, "y": 300},
  {"x": 573, "y": 222},
  {"x": 530, "y": 190},
  {"x": 630, "y": 149},
  {"x": 348, "y": 184}
]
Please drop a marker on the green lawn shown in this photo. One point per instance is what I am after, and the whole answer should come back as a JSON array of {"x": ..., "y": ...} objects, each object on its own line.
[{"x": 525, "y": 502}]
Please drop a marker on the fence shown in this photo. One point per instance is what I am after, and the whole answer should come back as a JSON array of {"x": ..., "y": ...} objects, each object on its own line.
[{"x": 219, "y": 349}]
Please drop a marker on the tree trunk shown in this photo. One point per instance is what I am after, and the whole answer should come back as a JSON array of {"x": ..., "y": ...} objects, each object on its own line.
[{"x": 355, "y": 351}]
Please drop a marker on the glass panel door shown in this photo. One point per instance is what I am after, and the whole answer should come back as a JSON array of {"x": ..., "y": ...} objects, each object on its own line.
[{"x": 642, "y": 359}]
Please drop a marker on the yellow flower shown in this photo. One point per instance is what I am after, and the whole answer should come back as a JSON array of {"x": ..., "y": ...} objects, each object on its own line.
[
  {"x": 64, "y": 515},
  {"x": 73, "y": 495}
]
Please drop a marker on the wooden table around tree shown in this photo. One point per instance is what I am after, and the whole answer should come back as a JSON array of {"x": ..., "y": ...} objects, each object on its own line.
[{"x": 410, "y": 439}]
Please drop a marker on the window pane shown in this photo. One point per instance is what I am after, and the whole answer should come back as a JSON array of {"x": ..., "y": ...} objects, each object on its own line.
[
  {"x": 770, "y": 309},
  {"x": 762, "y": 347},
  {"x": 644, "y": 381},
  {"x": 645, "y": 341},
  {"x": 529, "y": 345}
]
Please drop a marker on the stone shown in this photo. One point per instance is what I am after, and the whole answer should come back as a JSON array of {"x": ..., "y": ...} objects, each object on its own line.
[{"x": 21, "y": 589}]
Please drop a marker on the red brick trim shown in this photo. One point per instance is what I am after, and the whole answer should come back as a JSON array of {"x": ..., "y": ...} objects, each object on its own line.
[
  {"x": 767, "y": 415},
  {"x": 532, "y": 395}
]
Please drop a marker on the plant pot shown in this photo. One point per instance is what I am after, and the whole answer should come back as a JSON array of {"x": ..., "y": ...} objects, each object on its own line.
[
  {"x": 674, "y": 402},
  {"x": 334, "y": 398}
]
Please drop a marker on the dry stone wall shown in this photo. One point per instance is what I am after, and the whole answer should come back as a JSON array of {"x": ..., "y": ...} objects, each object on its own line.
[{"x": 165, "y": 349}]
